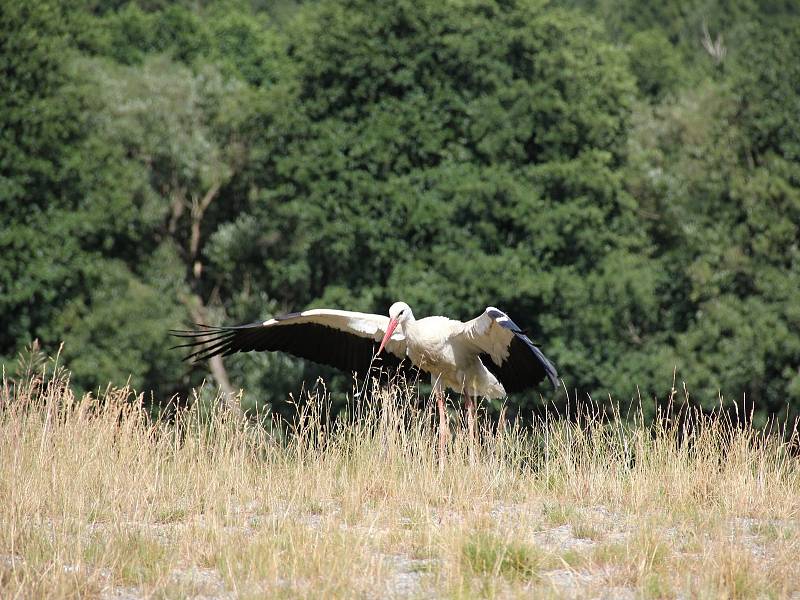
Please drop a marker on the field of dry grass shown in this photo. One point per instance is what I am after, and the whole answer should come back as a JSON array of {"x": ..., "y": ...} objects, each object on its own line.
[{"x": 98, "y": 501}]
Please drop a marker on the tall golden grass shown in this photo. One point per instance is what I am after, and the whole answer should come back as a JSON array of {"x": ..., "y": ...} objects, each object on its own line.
[{"x": 99, "y": 500}]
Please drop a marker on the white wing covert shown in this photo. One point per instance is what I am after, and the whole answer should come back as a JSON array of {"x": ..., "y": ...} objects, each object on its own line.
[{"x": 507, "y": 352}]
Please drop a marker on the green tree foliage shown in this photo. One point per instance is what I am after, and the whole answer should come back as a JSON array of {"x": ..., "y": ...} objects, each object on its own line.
[
  {"x": 626, "y": 189},
  {"x": 129, "y": 34},
  {"x": 655, "y": 63},
  {"x": 109, "y": 172},
  {"x": 59, "y": 185},
  {"x": 719, "y": 172},
  {"x": 446, "y": 157}
]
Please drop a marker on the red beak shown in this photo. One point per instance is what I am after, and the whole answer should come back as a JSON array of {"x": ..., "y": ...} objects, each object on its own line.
[{"x": 389, "y": 331}]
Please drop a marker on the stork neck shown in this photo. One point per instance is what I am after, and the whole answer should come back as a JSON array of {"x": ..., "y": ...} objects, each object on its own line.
[{"x": 408, "y": 324}]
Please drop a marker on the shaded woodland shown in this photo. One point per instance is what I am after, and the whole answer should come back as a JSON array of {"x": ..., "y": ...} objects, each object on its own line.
[{"x": 622, "y": 179}]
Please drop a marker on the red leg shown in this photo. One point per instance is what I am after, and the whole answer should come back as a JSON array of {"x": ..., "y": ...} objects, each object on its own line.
[
  {"x": 470, "y": 404},
  {"x": 444, "y": 431}
]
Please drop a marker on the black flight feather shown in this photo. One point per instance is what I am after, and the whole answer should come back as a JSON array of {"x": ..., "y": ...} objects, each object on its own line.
[
  {"x": 313, "y": 341},
  {"x": 525, "y": 366}
]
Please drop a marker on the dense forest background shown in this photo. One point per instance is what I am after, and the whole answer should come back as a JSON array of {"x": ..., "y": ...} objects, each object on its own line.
[{"x": 622, "y": 177}]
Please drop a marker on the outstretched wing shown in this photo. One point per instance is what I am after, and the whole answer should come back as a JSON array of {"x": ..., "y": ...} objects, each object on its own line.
[
  {"x": 339, "y": 338},
  {"x": 507, "y": 352}
]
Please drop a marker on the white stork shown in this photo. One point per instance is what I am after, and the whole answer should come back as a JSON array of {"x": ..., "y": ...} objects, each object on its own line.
[{"x": 488, "y": 356}]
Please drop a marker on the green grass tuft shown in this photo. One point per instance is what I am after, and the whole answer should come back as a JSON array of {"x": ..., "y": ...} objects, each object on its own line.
[{"x": 486, "y": 554}]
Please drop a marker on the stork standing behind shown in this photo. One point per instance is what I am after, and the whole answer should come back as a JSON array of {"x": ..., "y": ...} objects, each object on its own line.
[{"x": 488, "y": 356}]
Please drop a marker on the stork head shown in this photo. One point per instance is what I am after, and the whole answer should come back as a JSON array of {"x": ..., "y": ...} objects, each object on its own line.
[{"x": 399, "y": 313}]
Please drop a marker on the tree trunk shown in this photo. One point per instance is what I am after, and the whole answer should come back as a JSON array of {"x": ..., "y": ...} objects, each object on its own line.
[{"x": 218, "y": 371}]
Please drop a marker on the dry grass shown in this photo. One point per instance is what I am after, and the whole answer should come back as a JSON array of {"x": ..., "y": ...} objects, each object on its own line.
[{"x": 97, "y": 500}]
